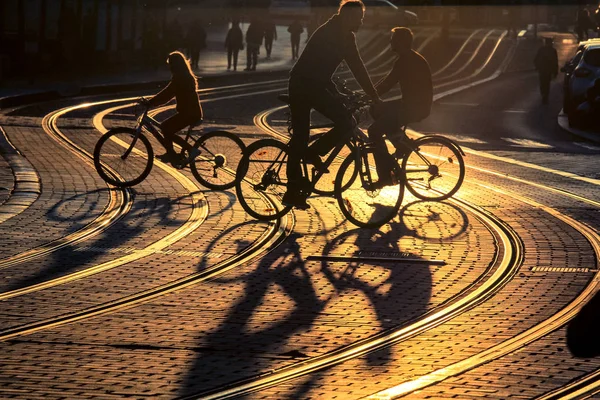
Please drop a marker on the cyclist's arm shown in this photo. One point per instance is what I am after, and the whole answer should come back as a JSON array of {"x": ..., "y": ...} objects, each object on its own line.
[
  {"x": 359, "y": 70},
  {"x": 163, "y": 96}
]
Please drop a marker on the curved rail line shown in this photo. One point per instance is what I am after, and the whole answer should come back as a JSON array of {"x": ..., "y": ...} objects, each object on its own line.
[
  {"x": 275, "y": 235},
  {"x": 148, "y": 295},
  {"x": 288, "y": 373},
  {"x": 530, "y": 335},
  {"x": 196, "y": 218},
  {"x": 504, "y": 267},
  {"x": 482, "y": 41},
  {"x": 502, "y": 271},
  {"x": 120, "y": 201},
  {"x": 581, "y": 388},
  {"x": 458, "y": 53},
  {"x": 269, "y": 240},
  {"x": 119, "y": 204}
]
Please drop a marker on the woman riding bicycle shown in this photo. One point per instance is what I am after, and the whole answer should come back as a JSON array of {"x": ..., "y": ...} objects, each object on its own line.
[{"x": 183, "y": 87}]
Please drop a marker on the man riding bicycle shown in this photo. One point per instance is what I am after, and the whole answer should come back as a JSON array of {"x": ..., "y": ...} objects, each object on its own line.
[
  {"x": 412, "y": 71},
  {"x": 311, "y": 87}
]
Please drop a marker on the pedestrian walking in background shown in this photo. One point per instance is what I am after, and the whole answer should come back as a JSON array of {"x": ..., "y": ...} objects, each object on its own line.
[
  {"x": 546, "y": 63},
  {"x": 195, "y": 42},
  {"x": 254, "y": 39},
  {"x": 234, "y": 42},
  {"x": 270, "y": 35},
  {"x": 583, "y": 24},
  {"x": 295, "y": 30}
]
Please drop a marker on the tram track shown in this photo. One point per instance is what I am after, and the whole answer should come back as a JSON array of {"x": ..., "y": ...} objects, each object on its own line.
[
  {"x": 120, "y": 202},
  {"x": 532, "y": 334},
  {"x": 274, "y": 235},
  {"x": 274, "y": 378},
  {"x": 496, "y": 276},
  {"x": 220, "y": 268}
]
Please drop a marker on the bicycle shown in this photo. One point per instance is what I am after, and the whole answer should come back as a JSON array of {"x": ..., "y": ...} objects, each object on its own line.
[
  {"x": 124, "y": 156},
  {"x": 433, "y": 167},
  {"x": 261, "y": 178}
]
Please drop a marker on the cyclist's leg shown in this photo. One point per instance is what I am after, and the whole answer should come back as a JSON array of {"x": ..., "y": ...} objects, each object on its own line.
[
  {"x": 170, "y": 127},
  {"x": 386, "y": 122},
  {"x": 404, "y": 116},
  {"x": 300, "y": 109},
  {"x": 331, "y": 107}
]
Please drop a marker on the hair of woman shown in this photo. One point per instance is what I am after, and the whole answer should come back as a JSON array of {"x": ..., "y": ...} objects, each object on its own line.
[{"x": 180, "y": 67}]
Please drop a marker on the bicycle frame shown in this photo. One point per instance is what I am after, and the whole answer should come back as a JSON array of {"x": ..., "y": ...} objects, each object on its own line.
[{"x": 150, "y": 125}]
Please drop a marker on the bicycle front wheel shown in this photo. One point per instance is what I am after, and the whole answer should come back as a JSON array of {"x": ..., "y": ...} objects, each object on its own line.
[
  {"x": 220, "y": 156},
  {"x": 360, "y": 203},
  {"x": 122, "y": 158},
  {"x": 261, "y": 179},
  {"x": 434, "y": 169}
]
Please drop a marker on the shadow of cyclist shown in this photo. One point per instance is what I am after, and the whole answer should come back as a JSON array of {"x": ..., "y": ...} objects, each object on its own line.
[
  {"x": 118, "y": 240},
  {"x": 249, "y": 334}
]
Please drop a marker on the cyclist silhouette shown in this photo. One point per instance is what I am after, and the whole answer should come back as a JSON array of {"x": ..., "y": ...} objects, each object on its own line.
[
  {"x": 412, "y": 72},
  {"x": 183, "y": 87},
  {"x": 310, "y": 86}
]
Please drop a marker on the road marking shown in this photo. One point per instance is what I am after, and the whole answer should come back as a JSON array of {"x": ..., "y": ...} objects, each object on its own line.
[
  {"x": 465, "y": 139},
  {"x": 587, "y": 146},
  {"x": 563, "y": 269},
  {"x": 448, "y": 103},
  {"x": 514, "y": 110},
  {"x": 516, "y": 142}
]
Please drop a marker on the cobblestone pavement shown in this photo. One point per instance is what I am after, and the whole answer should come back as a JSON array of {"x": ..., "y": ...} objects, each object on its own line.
[{"x": 146, "y": 293}]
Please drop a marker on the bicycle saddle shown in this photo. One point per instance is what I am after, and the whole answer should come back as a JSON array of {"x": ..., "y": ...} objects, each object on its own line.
[{"x": 285, "y": 98}]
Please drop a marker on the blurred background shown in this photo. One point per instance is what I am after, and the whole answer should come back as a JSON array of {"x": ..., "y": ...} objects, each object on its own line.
[{"x": 41, "y": 37}]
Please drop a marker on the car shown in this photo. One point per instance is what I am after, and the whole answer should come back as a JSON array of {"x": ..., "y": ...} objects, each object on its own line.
[
  {"x": 568, "y": 73},
  {"x": 582, "y": 76},
  {"x": 384, "y": 12}
]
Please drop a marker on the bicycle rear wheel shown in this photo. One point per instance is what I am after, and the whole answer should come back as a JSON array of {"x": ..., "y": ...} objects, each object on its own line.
[
  {"x": 120, "y": 161},
  {"x": 261, "y": 179},
  {"x": 360, "y": 203},
  {"x": 435, "y": 169},
  {"x": 216, "y": 166}
]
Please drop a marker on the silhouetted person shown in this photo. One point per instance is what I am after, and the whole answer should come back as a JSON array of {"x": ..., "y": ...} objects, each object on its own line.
[
  {"x": 234, "y": 42},
  {"x": 254, "y": 38},
  {"x": 310, "y": 86},
  {"x": 582, "y": 25},
  {"x": 412, "y": 72},
  {"x": 270, "y": 35},
  {"x": 195, "y": 42},
  {"x": 511, "y": 20},
  {"x": 546, "y": 63},
  {"x": 295, "y": 30},
  {"x": 183, "y": 87}
]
